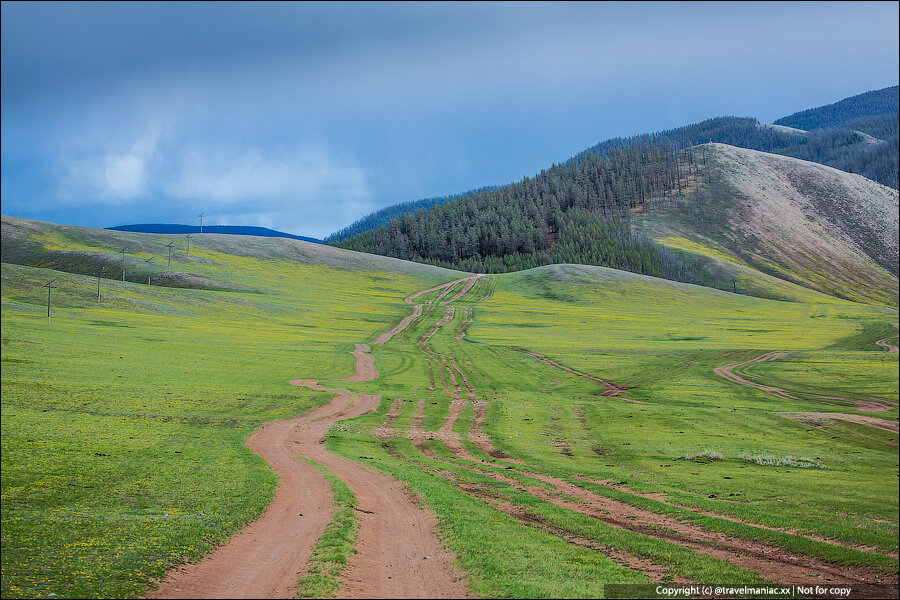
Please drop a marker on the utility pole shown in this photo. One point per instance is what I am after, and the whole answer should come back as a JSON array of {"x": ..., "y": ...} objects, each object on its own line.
[
  {"x": 149, "y": 266},
  {"x": 734, "y": 285},
  {"x": 169, "y": 245},
  {"x": 201, "y": 220},
  {"x": 122, "y": 252},
  {"x": 98, "y": 286},
  {"x": 49, "y": 285},
  {"x": 189, "y": 245}
]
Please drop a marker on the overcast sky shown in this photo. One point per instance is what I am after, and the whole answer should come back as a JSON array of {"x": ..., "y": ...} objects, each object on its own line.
[{"x": 305, "y": 117}]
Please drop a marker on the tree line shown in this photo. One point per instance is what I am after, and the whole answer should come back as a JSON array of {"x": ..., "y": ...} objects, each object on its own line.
[{"x": 576, "y": 212}]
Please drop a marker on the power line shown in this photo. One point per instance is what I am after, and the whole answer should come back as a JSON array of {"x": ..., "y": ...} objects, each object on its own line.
[
  {"x": 49, "y": 285},
  {"x": 98, "y": 286},
  {"x": 122, "y": 252},
  {"x": 149, "y": 267}
]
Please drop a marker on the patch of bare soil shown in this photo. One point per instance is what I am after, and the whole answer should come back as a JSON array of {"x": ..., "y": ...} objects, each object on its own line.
[
  {"x": 448, "y": 316},
  {"x": 387, "y": 429},
  {"x": 469, "y": 284},
  {"x": 385, "y": 337},
  {"x": 461, "y": 331},
  {"x": 365, "y": 365},
  {"x": 266, "y": 558},
  {"x": 443, "y": 286}
]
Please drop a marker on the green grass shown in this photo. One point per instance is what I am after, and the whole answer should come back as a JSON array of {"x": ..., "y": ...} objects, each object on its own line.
[
  {"x": 665, "y": 340},
  {"x": 532, "y": 563},
  {"x": 335, "y": 546},
  {"x": 124, "y": 422}
]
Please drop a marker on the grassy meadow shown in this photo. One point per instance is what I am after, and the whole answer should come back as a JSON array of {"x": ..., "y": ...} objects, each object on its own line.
[
  {"x": 123, "y": 421},
  {"x": 773, "y": 480}
]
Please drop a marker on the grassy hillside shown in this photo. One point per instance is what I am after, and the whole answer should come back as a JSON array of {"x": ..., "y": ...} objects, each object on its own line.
[
  {"x": 123, "y": 421},
  {"x": 175, "y": 229},
  {"x": 818, "y": 227},
  {"x": 485, "y": 431}
]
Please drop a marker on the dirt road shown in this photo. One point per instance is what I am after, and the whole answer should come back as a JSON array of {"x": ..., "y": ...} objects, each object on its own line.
[
  {"x": 884, "y": 343},
  {"x": 727, "y": 371},
  {"x": 398, "y": 554}
]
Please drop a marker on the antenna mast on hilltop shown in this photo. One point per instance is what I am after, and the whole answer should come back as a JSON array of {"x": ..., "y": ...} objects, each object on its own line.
[{"x": 49, "y": 285}]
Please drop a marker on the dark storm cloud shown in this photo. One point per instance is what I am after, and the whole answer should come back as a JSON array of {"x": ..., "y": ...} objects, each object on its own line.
[{"x": 306, "y": 116}]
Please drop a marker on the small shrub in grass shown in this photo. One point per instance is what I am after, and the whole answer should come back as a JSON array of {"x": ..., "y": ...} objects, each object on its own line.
[
  {"x": 705, "y": 456},
  {"x": 768, "y": 460}
]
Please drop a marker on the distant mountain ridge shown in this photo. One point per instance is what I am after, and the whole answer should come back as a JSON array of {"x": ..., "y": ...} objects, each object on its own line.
[
  {"x": 674, "y": 205},
  {"x": 857, "y": 135},
  {"x": 869, "y": 104},
  {"x": 383, "y": 216},
  {"x": 171, "y": 228}
]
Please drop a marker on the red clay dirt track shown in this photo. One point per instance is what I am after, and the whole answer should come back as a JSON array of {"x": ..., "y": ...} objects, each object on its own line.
[{"x": 398, "y": 551}]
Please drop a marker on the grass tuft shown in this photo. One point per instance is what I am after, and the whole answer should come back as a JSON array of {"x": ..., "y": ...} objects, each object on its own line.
[
  {"x": 769, "y": 460},
  {"x": 706, "y": 455}
]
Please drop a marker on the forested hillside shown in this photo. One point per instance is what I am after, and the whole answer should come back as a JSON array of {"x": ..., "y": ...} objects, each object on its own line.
[
  {"x": 384, "y": 216},
  {"x": 582, "y": 212},
  {"x": 869, "y": 104},
  {"x": 857, "y": 135},
  {"x": 866, "y": 145},
  {"x": 574, "y": 212}
]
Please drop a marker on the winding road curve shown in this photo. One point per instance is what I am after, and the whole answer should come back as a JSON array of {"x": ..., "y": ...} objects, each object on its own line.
[{"x": 398, "y": 551}]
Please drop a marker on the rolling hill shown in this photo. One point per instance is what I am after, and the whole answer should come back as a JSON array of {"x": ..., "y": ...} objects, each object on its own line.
[
  {"x": 858, "y": 135},
  {"x": 553, "y": 430},
  {"x": 779, "y": 219},
  {"x": 88, "y": 251},
  {"x": 813, "y": 225}
]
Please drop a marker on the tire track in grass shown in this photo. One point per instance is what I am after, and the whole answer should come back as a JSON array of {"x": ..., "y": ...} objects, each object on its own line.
[
  {"x": 452, "y": 440},
  {"x": 770, "y": 561},
  {"x": 610, "y": 389},
  {"x": 611, "y": 483},
  {"x": 885, "y": 342},
  {"x": 727, "y": 372}
]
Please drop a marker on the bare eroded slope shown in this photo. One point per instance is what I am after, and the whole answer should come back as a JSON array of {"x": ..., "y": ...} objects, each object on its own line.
[{"x": 813, "y": 225}]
